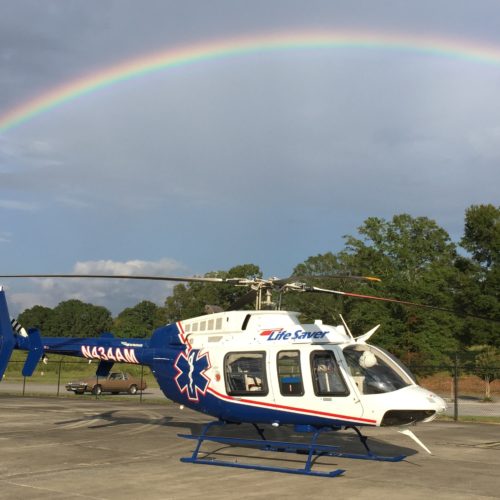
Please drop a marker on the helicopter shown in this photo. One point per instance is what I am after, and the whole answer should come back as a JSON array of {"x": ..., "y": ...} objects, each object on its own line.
[{"x": 260, "y": 367}]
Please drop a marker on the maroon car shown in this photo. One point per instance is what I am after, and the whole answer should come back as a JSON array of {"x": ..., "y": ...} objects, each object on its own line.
[{"x": 114, "y": 383}]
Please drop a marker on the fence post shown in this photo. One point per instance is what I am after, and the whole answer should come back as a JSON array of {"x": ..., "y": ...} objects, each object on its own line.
[
  {"x": 24, "y": 385},
  {"x": 142, "y": 378},
  {"x": 455, "y": 389},
  {"x": 59, "y": 377}
]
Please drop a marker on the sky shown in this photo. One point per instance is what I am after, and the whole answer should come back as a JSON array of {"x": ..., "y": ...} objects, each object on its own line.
[{"x": 255, "y": 153}]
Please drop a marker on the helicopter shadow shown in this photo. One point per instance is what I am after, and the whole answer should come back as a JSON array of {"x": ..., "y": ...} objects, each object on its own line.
[
  {"x": 292, "y": 448},
  {"x": 117, "y": 418},
  {"x": 347, "y": 441}
]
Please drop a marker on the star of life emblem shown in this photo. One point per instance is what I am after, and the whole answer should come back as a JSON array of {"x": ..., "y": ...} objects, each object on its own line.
[{"x": 191, "y": 378}]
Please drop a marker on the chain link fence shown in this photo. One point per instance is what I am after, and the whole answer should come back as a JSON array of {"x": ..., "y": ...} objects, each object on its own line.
[
  {"x": 468, "y": 390},
  {"x": 50, "y": 379}
]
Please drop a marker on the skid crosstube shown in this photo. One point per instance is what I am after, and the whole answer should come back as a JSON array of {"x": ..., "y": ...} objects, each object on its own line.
[{"x": 311, "y": 449}]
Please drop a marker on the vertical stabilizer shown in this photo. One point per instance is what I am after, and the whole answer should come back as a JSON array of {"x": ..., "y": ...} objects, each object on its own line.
[{"x": 6, "y": 334}]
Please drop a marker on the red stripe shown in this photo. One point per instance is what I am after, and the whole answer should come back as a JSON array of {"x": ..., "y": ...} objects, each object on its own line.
[
  {"x": 181, "y": 335},
  {"x": 291, "y": 408}
]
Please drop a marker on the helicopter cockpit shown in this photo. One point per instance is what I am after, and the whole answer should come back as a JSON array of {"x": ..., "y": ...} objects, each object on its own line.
[{"x": 375, "y": 371}]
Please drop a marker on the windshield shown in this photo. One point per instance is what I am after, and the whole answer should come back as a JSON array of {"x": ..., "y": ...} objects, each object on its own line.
[{"x": 373, "y": 371}]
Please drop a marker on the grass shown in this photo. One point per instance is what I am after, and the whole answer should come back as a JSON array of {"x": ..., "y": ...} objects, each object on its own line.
[
  {"x": 470, "y": 418},
  {"x": 161, "y": 400},
  {"x": 71, "y": 369}
]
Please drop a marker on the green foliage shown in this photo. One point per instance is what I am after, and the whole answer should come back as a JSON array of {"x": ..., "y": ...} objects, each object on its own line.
[
  {"x": 486, "y": 364},
  {"x": 138, "y": 321},
  {"x": 36, "y": 317},
  {"x": 190, "y": 300},
  {"x": 317, "y": 270},
  {"x": 74, "y": 318},
  {"x": 415, "y": 259},
  {"x": 413, "y": 256},
  {"x": 482, "y": 234},
  {"x": 479, "y": 278}
]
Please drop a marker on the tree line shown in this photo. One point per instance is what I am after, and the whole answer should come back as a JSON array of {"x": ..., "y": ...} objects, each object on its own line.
[{"x": 415, "y": 259}]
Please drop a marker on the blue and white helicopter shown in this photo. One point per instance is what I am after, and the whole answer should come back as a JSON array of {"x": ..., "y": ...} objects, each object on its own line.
[{"x": 259, "y": 366}]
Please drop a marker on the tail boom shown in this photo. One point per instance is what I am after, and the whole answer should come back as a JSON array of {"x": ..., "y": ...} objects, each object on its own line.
[{"x": 106, "y": 349}]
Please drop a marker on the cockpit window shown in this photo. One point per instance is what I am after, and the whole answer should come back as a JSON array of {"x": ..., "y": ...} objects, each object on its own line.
[
  {"x": 400, "y": 364},
  {"x": 373, "y": 371}
]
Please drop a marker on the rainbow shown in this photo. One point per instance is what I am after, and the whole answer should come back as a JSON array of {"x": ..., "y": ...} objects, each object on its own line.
[{"x": 142, "y": 66}]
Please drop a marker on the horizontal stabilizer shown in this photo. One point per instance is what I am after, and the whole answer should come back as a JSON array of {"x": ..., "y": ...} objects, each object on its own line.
[{"x": 6, "y": 334}]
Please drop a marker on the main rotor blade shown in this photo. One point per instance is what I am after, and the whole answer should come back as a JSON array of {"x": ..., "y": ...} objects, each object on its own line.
[
  {"x": 306, "y": 277},
  {"x": 189, "y": 279},
  {"x": 193, "y": 279},
  {"x": 394, "y": 301}
]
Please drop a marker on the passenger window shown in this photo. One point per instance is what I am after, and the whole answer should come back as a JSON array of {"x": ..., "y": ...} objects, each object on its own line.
[
  {"x": 327, "y": 379},
  {"x": 245, "y": 373},
  {"x": 289, "y": 373}
]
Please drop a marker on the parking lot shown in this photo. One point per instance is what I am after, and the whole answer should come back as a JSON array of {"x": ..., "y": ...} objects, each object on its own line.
[{"x": 101, "y": 449}]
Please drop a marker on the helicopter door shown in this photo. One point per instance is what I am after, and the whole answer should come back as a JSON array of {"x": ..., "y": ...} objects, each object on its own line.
[
  {"x": 314, "y": 381},
  {"x": 327, "y": 378},
  {"x": 332, "y": 390}
]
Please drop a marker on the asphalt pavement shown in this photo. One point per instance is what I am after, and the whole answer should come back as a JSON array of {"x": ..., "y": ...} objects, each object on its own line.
[
  {"x": 466, "y": 406},
  {"x": 75, "y": 448}
]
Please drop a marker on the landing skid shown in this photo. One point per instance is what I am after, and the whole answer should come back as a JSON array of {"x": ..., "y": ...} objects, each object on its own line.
[{"x": 311, "y": 449}]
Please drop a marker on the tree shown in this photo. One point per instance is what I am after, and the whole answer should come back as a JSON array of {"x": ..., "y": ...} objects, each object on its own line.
[
  {"x": 138, "y": 321},
  {"x": 36, "y": 317},
  {"x": 482, "y": 234},
  {"x": 480, "y": 275},
  {"x": 190, "y": 300},
  {"x": 317, "y": 270},
  {"x": 74, "y": 318},
  {"x": 487, "y": 366},
  {"x": 414, "y": 257}
]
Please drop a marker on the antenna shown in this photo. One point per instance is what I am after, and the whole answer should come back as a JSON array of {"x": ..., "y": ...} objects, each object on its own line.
[{"x": 346, "y": 327}]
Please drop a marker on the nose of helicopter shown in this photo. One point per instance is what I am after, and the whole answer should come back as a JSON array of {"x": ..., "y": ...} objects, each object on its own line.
[{"x": 414, "y": 404}]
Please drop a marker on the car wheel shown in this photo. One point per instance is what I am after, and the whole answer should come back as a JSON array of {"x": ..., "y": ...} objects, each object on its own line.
[
  {"x": 132, "y": 389},
  {"x": 97, "y": 390}
]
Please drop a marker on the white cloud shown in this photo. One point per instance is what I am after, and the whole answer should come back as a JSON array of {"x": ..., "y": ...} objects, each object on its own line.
[
  {"x": 72, "y": 202},
  {"x": 214, "y": 160},
  {"x": 5, "y": 237},
  {"x": 486, "y": 143},
  {"x": 132, "y": 267},
  {"x": 114, "y": 294},
  {"x": 18, "y": 205}
]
